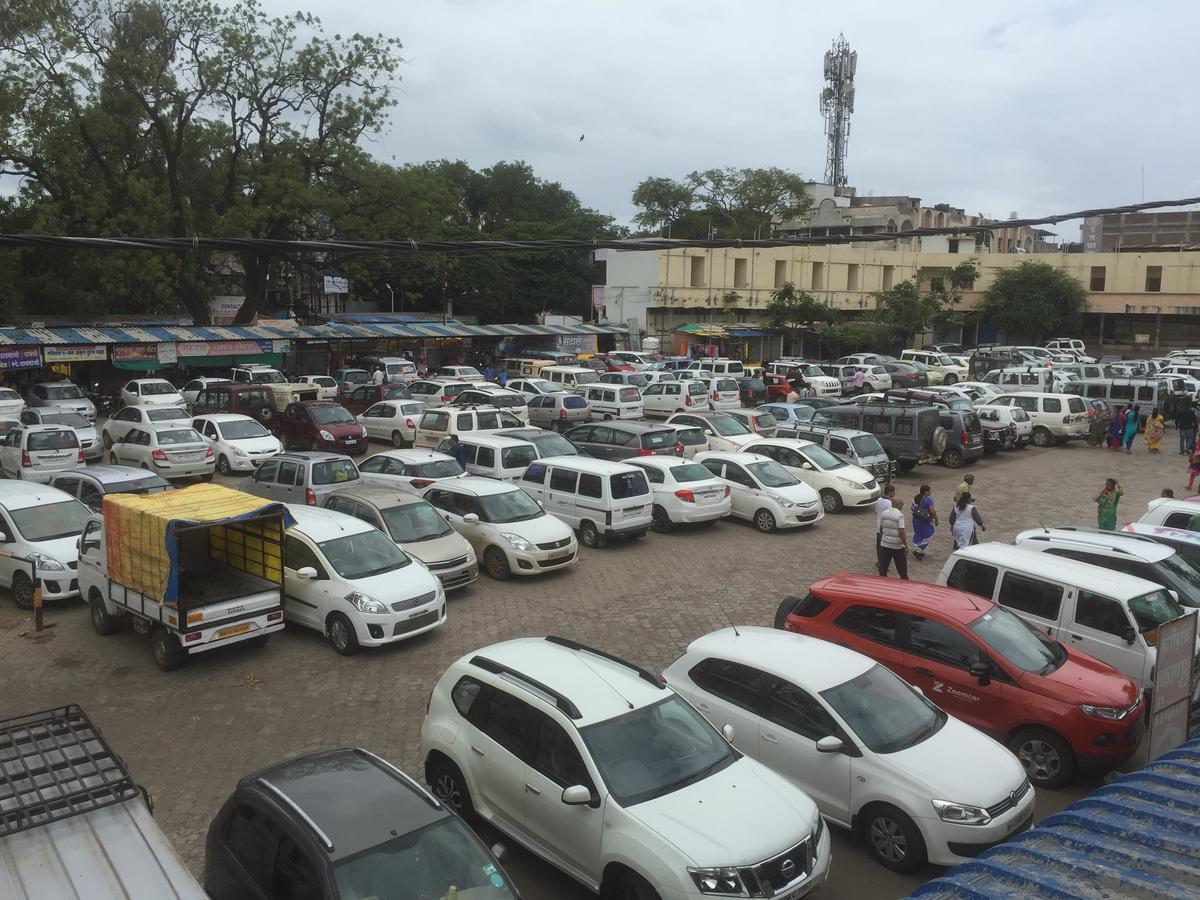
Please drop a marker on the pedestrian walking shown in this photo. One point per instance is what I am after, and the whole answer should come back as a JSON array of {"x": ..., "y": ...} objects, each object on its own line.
[
  {"x": 1194, "y": 463},
  {"x": 893, "y": 541},
  {"x": 925, "y": 521},
  {"x": 489, "y": 374},
  {"x": 1156, "y": 429},
  {"x": 963, "y": 519},
  {"x": 860, "y": 378},
  {"x": 1106, "y": 505},
  {"x": 882, "y": 505},
  {"x": 1116, "y": 432},
  {"x": 378, "y": 376},
  {"x": 1185, "y": 421},
  {"x": 964, "y": 486},
  {"x": 502, "y": 377},
  {"x": 1133, "y": 421}
]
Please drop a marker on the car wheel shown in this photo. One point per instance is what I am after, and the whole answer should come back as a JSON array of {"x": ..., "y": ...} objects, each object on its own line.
[
  {"x": 340, "y": 633},
  {"x": 223, "y": 465},
  {"x": 1047, "y": 758},
  {"x": 496, "y": 562},
  {"x": 764, "y": 521},
  {"x": 831, "y": 500},
  {"x": 893, "y": 839},
  {"x": 1042, "y": 437},
  {"x": 952, "y": 459},
  {"x": 168, "y": 654},
  {"x": 589, "y": 536},
  {"x": 906, "y": 465},
  {"x": 398, "y": 440},
  {"x": 449, "y": 786},
  {"x": 662, "y": 522},
  {"x": 106, "y": 440},
  {"x": 266, "y": 414},
  {"x": 950, "y": 379},
  {"x": 626, "y": 885},
  {"x": 22, "y": 590},
  {"x": 102, "y": 622}
]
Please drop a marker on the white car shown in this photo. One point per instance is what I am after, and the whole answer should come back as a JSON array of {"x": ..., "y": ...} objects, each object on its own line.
[
  {"x": 11, "y": 403},
  {"x": 172, "y": 450},
  {"x": 662, "y": 398},
  {"x": 348, "y": 580},
  {"x": 510, "y": 533},
  {"x": 1008, "y": 426},
  {"x": 692, "y": 439},
  {"x": 460, "y": 373},
  {"x": 724, "y": 432},
  {"x": 241, "y": 443},
  {"x": 1056, "y": 418},
  {"x": 940, "y": 367},
  {"x": 326, "y": 385},
  {"x": 912, "y": 782},
  {"x": 435, "y": 425},
  {"x": 89, "y": 439},
  {"x": 1172, "y": 513},
  {"x": 838, "y": 483},
  {"x": 63, "y": 394},
  {"x": 151, "y": 392},
  {"x": 410, "y": 470},
  {"x": 42, "y": 524},
  {"x": 485, "y": 394},
  {"x": 533, "y": 387},
  {"x": 979, "y": 391},
  {"x": 192, "y": 389},
  {"x": 723, "y": 392},
  {"x": 118, "y": 424},
  {"x": 685, "y": 493},
  {"x": 764, "y": 492},
  {"x": 37, "y": 452},
  {"x": 392, "y": 420}
]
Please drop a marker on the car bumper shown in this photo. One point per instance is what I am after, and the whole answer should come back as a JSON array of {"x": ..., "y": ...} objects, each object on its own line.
[
  {"x": 1076, "y": 431},
  {"x": 694, "y": 513},
  {"x": 859, "y": 497},
  {"x": 459, "y": 576},
  {"x": 246, "y": 463},
  {"x": 42, "y": 476},
  {"x": 96, "y": 451},
  {"x": 802, "y": 886},
  {"x": 354, "y": 447},
  {"x": 540, "y": 561},
  {"x": 795, "y": 518},
  {"x": 377, "y": 630},
  {"x": 189, "y": 470},
  {"x": 949, "y": 844},
  {"x": 59, "y": 585}
]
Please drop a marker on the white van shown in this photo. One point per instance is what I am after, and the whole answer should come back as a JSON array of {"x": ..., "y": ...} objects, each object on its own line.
[
  {"x": 1027, "y": 378},
  {"x": 718, "y": 366},
  {"x": 494, "y": 455},
  {"x": 613, "y": 401},
  {"x": 1056, "y": 418},
  {"x": 598, "y": 498},
  {"x": 569, "y": 378},
  {"x": 1109, "y": 615},
  {"x": 396, "y": 369}
]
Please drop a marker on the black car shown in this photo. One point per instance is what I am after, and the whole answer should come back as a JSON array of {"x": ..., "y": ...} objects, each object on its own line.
[
  {"x": 753, "y": 391},
  {"x": 621, "y": 440},
  {"x": 344, "y": 823},
  {"x": 907, "y": 374}
]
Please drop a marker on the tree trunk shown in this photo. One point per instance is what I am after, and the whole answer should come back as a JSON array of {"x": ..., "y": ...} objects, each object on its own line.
[
  {"x": 256, "y": 266},
  {"x": 192, "y": 294}
]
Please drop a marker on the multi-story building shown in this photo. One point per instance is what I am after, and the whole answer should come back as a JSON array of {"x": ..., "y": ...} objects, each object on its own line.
[{"x": 1131, "y": 231}]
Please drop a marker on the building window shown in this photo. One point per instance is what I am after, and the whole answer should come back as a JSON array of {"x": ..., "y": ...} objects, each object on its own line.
[
  {"x": 696, "y": 273},
  {"x": 818, "y": 279},
  {"x": 853, "y": 276},
  {"x": 780, "y": 272},
  {"x": 937, "y": 284},
  {"x": 739, "y": 273},
  {"x": 953, "y": 244},
  {"x": 1097, "y": 278},
  {"x": 889, "y": 277},
  {"x": 1153, "y": 278}
]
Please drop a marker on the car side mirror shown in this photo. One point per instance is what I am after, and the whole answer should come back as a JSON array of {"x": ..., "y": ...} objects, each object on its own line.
[
  {"x": 1130, "y": 635},
  {"x": 471, "y": 519},
  {"x": 577, "y": 795},
  {"x": 829, "y": 744},
  {"x": 982, "y": 671},
  {"x": 308, "y": 573},
  {"x": 499, "y": 852},
  {"x": 727, "y": 732}
]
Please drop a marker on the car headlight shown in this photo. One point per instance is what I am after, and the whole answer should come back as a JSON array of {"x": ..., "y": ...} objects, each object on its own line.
[
  {"x": 517, "y": 542},
  {"x": 45, "y": 562},
  {"x": 238, "y": 451},
  {"x": 325, "y": 435},
  {"x": 718, "y": 880},
  {"x": 1103, "y": 712},
  {"x": 784, "y": 502},
  {"x": 850, "y": 484},
  {"x": 365, "y": 604},
  {"x": 961, "y": 813}
]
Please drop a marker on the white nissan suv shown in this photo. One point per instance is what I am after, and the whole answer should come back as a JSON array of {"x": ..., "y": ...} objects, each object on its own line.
[{"x": 601, "y": 769}]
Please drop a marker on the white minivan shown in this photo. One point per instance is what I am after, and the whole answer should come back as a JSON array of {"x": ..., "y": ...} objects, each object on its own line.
[
  {"x": 569, "y": 378},
  {"x": 718, "y": 366},
  {"x": 613, "y": 401},
  {"x": 494, "y": 455},
  {"x": 598, "y": 498},
  {"x": 1056, "y": 418}
]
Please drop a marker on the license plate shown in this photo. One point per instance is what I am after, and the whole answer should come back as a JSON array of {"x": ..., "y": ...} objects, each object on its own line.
[
  {"x": 631, "y": 513},
  {"x": 558, "y": 557},
  {"x": 234, "y": 630}
]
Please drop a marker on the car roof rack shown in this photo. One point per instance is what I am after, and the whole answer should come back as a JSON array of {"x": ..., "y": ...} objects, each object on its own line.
[
  {"x": 296, "y": 808},
  {"x": 55, "y": 764},
  {"x": 642, "y": 673},
  {"x": 562, "y": 701}
]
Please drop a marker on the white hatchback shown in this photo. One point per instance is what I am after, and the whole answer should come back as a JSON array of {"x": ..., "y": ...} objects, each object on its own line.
[
  {"x": 326, "y": 385},
  {"x": 724, "y": 432},
  {"x": 409, "y": 470},
  {"x": 839, "y": 483},
  {"x": 151, "y": 392},
  {"x": 764, "y": 492},
  {"x": 11, "y": 403},
  {"x": 192, "y": 389},
  {"x": 914, "y": 783},
  {"x": 723, "y": 392},
  {"x": 662, "y": 398},
  {"x": 42, "y": 524},
  {"x": 394, "y": 421},
  {"x": 37, "y": 452},
  {"x": 685, "y": 493},
  {"x": 241, "y": 443}
]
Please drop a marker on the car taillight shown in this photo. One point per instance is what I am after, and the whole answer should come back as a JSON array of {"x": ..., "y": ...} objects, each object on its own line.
[
  {"x": 1012, "y": 426},
  {"x": 208, "y": 451},
  {"x": 679, "y": 448},
  {"x": 716, "y": 395},
  {"x": 410, "y": 423},
  {"x": 160, "y": 455},
  {"x": 562, "y": 413},
  {"x": 964, "y": 438},
  {"x": 726, "y": 490},
  {"x": 687, "y": 399},
  {"x": 79, "y": 458},
  {"x": 309, "y": 497},
  {"x": 25, "y": 460},
  {"x": 642, "y": 451},
  {"x": 686, "y": 496},
  {"x": 446, "y": 398},
  {"x": 420, "y": 482}
]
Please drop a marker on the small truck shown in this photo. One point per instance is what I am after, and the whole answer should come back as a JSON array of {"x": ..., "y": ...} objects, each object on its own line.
[
  {"x": 195, "y": 569},
  {"x": 282, "y": 391}
]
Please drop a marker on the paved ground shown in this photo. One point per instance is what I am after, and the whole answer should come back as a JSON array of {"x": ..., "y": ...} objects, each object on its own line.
[{"x": 190, "y": 735}]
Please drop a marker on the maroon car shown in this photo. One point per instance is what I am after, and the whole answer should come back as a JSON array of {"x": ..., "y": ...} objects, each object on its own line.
[
  {"x": 364, "y": 395},
  {"x": 320, "y": 425}
]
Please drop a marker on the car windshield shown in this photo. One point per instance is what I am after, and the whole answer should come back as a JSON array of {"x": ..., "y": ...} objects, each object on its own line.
[
  {"x": 166, "y": 414},
  {"x": 355, "y": 376},
  {"x": 157, "y": 388},
  {"x": 1153, "y": 609},
  {"x": 51, "y": 521},
  {"x": 444, "y": 859},
  {"x": 268, "y": 377},
  {"x": 510, "y": 506},
  {"x": 727, "y": 425},
  {"x": 691, "y": 437},
  {"x": 771, "y": 474},
  {"x": 655, "y": 750},
  {"x": 552, "y": 445},
  {"x": 586, "y": 377},
  {"x": 414, "y": 522},
  {"x": 70, "y": 419},
  {"x": 396, "y": 392},
  {"x": 151, "y": 484},
  {"x": 363, "y": 555},
  {"x": 883, "y": 711},
  {"x": 866, "y": 445},
  {"x": 9, "y": 394},
  {"x": 517, "y": 457},
  {"x": 330, "y": 415},
  {"x": 178, "y": 436},
  {"x": 823, "y": 459},
  {"x": 64, "y": 392},
  {"x": 541, "y": 385},
  {"x": 435, "y": 468},
  {"x": 812, "y": 371},
  {"x": 690, "y": 472},
  {"x": 1018, "y": 642},
  {"x": 334, "y": 471},
  {"x": 1184, "y": 571},
  {"x": 944, "y": 361},
  {"x": 242, "y": 429}
]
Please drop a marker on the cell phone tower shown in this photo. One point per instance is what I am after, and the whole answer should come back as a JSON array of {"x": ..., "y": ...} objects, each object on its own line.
[{"x": 837, "y": 102}]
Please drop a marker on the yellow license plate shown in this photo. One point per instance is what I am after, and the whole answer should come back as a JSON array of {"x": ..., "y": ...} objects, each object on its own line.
[{"x": 234, "y": 629}]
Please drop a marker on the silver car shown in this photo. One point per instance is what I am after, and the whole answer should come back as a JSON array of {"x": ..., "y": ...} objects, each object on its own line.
[
  {"x": 559, "y": 411},
  {"x": 303, "y": 477},
  {"x": 63, "y": 394}
]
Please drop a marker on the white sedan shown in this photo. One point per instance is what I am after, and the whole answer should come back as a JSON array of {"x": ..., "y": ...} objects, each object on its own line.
[
  {"x": 913, "y": 782},
  {"x": 151, "y": 392},
  {"x": 839, "y": 483},
  {"x": 392, "y": 420},
  {"x": 11, "y": 403},
  {"x": 763, "y": 491},
  {"x": 171, "y": 450},
  {"x": 117, "y": 425},
  {"x": 724, "y": 432},
  {"x": 241, "y": 443},
  {"x": 685, "y": 493}
]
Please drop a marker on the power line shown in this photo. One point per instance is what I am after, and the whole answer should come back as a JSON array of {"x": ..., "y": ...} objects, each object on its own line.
[{"x": 415, "y": 247}]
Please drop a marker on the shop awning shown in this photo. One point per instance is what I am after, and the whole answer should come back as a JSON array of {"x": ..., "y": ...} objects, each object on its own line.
[
  {"x": 748, "y": 333},
  {"x": 703, "y": 330}
]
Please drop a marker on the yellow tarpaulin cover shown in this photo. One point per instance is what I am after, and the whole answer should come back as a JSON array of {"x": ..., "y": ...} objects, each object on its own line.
[{"x": 140, "y": 535}]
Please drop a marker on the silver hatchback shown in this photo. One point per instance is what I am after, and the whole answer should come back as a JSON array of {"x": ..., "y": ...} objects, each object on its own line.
[
  {"x": 302, "y": 477},
  {"x": 558, "y": 411}
]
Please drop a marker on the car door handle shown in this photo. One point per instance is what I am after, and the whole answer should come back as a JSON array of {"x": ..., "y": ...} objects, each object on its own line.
[
  {"x": 770, "y": 738},
  {"x": 1077, "y": 637},
  {"x": 476, "y": 750},
  {"x": 704, "y": 706},
  {"x": 922, "y": 671},
  {"x": 531, "y": 789}
]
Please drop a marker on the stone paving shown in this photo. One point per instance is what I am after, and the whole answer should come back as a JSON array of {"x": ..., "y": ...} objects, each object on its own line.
[{"x": 189, "y": 735}]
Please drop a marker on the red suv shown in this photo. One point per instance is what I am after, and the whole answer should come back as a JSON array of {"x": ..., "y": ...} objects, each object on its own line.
[
  {"x": 320, "y": 425},
  {"x": 1058, "y": 710}
]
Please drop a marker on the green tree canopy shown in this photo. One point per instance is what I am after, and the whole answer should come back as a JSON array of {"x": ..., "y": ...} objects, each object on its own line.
[
  {"x": 735, "y": 203},
  {"x": 1033, "y": 300},
  {"x": 793, "y": 311}
]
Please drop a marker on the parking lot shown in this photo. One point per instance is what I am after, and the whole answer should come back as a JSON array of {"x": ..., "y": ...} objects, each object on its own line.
[{"x": 189, "y": 735}]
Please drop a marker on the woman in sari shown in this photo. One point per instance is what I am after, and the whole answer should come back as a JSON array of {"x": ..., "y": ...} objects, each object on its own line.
[
  {"x": 1116, "y": 432},
  {"x": 1156, "y": 427},
  {"x": 1106, "y": 505},
  {"x": 925, "y": 520}
]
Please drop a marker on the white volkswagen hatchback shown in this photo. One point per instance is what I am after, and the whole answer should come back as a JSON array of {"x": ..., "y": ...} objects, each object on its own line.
[
  {"x": 606, "y": 773},
  {"x": 763, "y": 491},
  {"x": 914, "y": 783}
]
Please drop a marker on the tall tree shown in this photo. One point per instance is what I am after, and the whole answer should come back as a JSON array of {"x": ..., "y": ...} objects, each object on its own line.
[
  {"x": 1033, "y": 300},
  {"x": 793, "y": 312},
  {"x": 730, "y": 202}
]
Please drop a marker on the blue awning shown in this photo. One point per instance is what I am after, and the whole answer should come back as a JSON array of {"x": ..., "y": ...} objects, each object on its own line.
[{"x": 748, "y": 332}]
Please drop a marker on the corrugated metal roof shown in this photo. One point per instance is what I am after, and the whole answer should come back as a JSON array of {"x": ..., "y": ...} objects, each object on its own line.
[{"x": 1138, "y": 837}]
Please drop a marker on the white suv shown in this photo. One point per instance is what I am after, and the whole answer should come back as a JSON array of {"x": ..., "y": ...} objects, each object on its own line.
[{"x": 598, "y": 767}]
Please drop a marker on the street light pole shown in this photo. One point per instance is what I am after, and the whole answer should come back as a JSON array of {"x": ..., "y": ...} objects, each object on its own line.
[{"x": 393, "y": 295}]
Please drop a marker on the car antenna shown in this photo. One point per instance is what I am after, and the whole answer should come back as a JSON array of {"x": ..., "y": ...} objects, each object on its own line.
[
  {"x": 596, "y": 672},
  {"x": 736, "y": 633},
  {"x": 1044, "y": 528}
]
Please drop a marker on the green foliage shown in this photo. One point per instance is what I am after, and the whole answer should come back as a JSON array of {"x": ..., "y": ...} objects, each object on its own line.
[
  {"x": 793, "y": 311},
  {"x": 908, "y": 311},
  {"x": 857, "y": 336},
  {"x": 1034, "y": 300},
  {"x": 733, "y": 203}
]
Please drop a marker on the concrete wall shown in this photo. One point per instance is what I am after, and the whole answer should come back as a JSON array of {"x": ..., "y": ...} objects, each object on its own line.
[{"x": 631, "y": 286}]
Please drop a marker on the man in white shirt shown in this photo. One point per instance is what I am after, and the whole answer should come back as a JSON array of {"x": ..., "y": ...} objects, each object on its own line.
[
  {"x": 378, "y": 376},
  {"x": 882, "y": 505},
  {"x": 893, "y": 540}
]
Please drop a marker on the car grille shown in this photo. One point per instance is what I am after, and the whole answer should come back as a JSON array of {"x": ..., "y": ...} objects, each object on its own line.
[
  {"x": 402, "y": 605},
  {"x": 769, "y": 877},
  {"x": 555, "y": 545},
  {"x": 1010, "y": 801},
  {"x": 466, "y": 575},
  {"x": 557, "y": 561},
  {"x": 73, "y": 565},
  {"x": 448, "y": 564},
  {"x": 416, "y": 622}
]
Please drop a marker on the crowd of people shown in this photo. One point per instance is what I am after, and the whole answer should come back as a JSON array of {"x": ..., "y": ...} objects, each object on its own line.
[{"x": 892, "y": 534}]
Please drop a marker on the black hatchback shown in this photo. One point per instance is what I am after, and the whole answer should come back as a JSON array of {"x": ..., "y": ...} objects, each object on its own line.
[
  {"x": 753, "y": 391},
  {"x": 344, "y": 823}
]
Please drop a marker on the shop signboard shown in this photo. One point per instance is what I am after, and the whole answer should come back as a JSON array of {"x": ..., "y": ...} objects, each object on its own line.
[
  {"x": 168, "y": 353},
  {"x": 276, "y": 346},
  {"x": 70, "y": 353},
  {"x": 20, "y": 357},
  {"x": 336, "y": 284},
  {"x": 219, "y": 348},
  {"x": 134, "y": 352}
]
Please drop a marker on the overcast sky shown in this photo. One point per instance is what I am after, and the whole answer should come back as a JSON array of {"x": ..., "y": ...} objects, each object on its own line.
[{"x": 1034, "y": 108}]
